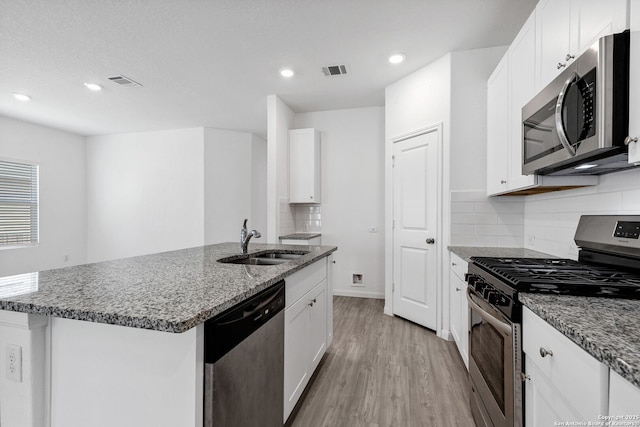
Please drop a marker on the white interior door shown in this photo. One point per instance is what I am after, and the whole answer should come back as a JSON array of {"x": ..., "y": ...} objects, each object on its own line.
[{"x": 415, "y": 238}]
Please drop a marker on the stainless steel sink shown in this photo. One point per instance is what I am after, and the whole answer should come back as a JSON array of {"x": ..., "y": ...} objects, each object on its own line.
[{"x": 265, "y": 258}]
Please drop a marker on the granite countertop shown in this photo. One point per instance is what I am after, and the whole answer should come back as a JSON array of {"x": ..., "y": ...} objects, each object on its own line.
[
  {"x": 301, "y": 236},
  {"x": 606, "y": 328},
  {"x": 171, "y": 291},
  {"x": 466, "y": 252}
]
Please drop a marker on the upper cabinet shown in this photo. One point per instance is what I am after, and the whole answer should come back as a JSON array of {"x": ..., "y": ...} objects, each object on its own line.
[
  {"x": 556, "y": 31},
  {"x": 304, "y": 166},
  {"x": 566, "y": 28},
  {"x": 498, "y": 128}
]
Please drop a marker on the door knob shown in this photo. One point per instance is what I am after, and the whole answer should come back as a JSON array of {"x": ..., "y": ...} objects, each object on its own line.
[
  {"x": 430, "y": 241},
  {"x": 628, "y": 140}
]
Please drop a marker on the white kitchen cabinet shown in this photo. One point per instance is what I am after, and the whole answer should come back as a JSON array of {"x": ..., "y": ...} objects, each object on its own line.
[
  {"x": 458, "y": 306},
  {"x": 566, "y": 28},
  {"x": 521, "y": 89},
  {"x": 624, "y": 398},
  {"x": 304, "y": 166},
  {"x": 509, "y": 88},
  {"x": 498, "y": 128},
  {"x": 563, "y": 381},
  {"x": 305, "y": 330},
  {"x": 634, "y": 83}
]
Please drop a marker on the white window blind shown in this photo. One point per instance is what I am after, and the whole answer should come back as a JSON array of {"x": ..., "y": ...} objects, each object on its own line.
[{"x": 18, "y": 203}]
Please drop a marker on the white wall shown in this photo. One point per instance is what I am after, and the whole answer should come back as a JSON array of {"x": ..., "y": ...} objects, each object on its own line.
[
  {"x": 551, "y": 219},
  {"x": 279, "y": 120},
  {"x": 421, "y": 99},
  {"x": 258, "y": 218},
  {"x": 228, "y": 174},
  {"x": 61, "y": 156},
  {"x": 468, "y": 147},
  {"x": 145, "y": 193},
  {"x": 352, "y": 147}
]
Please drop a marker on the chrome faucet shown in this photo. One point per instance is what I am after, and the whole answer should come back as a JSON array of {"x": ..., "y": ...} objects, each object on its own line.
[{"x": 246, "y": 235}]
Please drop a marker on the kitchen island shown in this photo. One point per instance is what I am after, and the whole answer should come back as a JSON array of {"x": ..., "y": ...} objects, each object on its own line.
[{"x": 120, "y": 342}]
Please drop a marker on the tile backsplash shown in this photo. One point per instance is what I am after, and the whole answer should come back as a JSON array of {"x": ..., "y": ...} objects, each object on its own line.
[
  {"x": 478, "y": 220},
  {"x": 299, "y": 218},
  {"x": 551, "y": 219},
  {"x": 308, "y": 218}
]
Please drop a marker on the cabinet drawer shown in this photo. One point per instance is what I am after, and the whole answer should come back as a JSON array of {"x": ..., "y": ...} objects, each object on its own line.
[
  {"x": 577, "y": 376},
  {"x": 302, "y": 281},
  {"x": 458, "y": 266}
]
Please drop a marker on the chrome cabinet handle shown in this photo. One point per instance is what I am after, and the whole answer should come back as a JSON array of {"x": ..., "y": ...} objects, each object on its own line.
[
  {"x": 569, "y": 57},
  {"x": 454, "y": 264},
  {"x": 560, "y": 65},
  {"x": 430, "y": 241},
  {"x": 628, "y": 140},
  {"x": 502, "y": 181},
  {"x": 457, "y": 289},
  {"x": 544, "y": 352}
]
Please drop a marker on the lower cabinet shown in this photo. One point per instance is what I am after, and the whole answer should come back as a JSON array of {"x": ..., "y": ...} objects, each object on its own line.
[
  {"x": 564, "y": 382},
  {"x": 306, "y": 329},
  {"x": 458, "y": 307},
  {"x": 624, "y": 400}
]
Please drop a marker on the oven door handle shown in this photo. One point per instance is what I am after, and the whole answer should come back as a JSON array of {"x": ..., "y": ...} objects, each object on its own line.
[
  {"x": 503, "y": 327},
  {"x": 562, "y": 135}
]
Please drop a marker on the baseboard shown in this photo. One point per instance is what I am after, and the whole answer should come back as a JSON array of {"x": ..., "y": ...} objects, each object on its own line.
[{"x": 357, "y": 294}]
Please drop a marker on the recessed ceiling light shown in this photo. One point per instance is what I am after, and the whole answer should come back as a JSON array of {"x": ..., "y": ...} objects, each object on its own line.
[
  {"x": 21, "y": 97},
  {"x": 93, "y": 86},
  {"x": 286, "y": 72},
  {"x": 397, "y": 58}
]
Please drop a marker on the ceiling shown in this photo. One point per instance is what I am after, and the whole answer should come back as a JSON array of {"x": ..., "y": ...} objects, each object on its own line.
[{"x": 212, "y": 63}]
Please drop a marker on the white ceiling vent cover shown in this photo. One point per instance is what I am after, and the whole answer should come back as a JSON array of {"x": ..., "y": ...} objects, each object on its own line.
[
  {"x": 124, "y": 81},
  {"x": 334, "y": 70}
]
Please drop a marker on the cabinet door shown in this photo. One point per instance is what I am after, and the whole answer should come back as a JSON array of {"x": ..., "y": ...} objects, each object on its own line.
[
  {"x": 553, "y": 18},
  {"x": 624, "y": 397},
  {"x": 304, "y": 166},
  {"x": 318, "y": 323},
  {"x": 522, "y": 60},
  {"x": 592, "y": 19},
  {"x": 296, "y": 353},
  {"x": 562, "y": 373},
  {"x": 455, "y": 305},
  {"x": 544, "y": 405},
  {"x": 498, "y": 128}
]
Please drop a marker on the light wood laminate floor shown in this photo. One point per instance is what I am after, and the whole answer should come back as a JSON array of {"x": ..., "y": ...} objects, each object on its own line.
[{"x": 385, "y": 371}]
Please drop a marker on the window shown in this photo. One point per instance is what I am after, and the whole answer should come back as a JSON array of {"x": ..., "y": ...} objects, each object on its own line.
[{"x": 18, "y": 204}]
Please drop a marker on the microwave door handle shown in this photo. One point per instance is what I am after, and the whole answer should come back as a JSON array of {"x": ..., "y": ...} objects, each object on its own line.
[
  {"x": 559, "y": 124},
  {"x": 502, "y": 327}
]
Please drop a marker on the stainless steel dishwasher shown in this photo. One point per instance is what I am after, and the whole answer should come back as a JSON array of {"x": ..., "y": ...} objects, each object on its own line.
[{"x": 244, "y": 363}]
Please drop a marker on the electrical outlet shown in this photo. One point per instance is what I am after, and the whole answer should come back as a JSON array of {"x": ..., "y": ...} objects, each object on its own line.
[{"x": 14, "y": 362}]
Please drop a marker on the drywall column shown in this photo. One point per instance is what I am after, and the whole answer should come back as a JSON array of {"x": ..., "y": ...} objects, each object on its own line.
[
  {"x": 279, "y": 120},
  {"x": 23, "y": 402}
]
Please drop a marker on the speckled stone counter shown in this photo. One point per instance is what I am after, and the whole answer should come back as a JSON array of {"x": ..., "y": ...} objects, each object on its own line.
[
  {"x": 301, "y": 236},
  {"x": 606, "y": 328},
  {"x": 171, "y": 291},
  {"x": 466, "y": 252}
]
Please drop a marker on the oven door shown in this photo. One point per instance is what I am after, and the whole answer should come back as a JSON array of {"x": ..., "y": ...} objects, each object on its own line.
[{"x": 496, "y": 398}]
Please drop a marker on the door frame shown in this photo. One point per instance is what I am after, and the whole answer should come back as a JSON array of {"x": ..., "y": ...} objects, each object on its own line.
[{"x": 441, "y": 211}]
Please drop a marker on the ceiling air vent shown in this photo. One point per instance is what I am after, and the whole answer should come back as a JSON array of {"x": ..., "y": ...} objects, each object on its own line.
[
  {"x": 124, "y": 81},
  {"x": 334, "y": 70}
]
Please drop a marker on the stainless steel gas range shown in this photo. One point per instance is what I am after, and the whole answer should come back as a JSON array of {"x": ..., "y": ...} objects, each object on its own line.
[{"x": 608, "y": 266}]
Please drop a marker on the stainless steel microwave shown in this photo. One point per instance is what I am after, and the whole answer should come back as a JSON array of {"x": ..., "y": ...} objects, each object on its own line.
[{"x": 578, "y": 124}]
